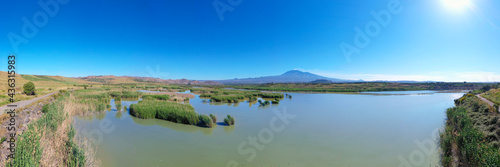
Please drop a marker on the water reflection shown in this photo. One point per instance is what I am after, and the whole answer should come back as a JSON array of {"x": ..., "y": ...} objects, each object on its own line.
[
  {"x": 330, "y": 130},
  {"x": 172, "y": 125},
  {"x": 99, "y": 116},
  {"x": 228, "y": 129},
  {"x": 119, "y": 115}
]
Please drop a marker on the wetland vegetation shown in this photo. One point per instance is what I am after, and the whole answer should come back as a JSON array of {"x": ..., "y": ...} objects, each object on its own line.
[
  {"x": 472, "y": 134},
  {"x": 165, "y": 103},
  {"x": 170, "y": 111},
  {"x": 233, "y": 95}
]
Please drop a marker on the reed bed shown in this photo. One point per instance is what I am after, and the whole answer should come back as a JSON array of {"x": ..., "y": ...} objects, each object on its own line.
[
  {"x": 170, "y": 111},
  {"x": 205, "y": 121},
  {"x": 155, "y": 97}
]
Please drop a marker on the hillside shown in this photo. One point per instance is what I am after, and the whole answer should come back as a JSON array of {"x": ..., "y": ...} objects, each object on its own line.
[
  {"x": 45, "y": 84},
  {"x": 493, "y": 95}
]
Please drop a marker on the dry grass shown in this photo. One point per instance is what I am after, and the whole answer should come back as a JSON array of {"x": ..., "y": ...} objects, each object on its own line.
[
  {"x": 54, "y": 152},
  {"x": 90, "y": 152},
  {"x": 53, "y": 143},
  {"x": 53, "y": 147}
]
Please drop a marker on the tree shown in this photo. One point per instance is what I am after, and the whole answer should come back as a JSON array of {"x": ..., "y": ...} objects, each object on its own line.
[
  {"x": 486, "y": 88},
  {"x": 29, "y": 88}
]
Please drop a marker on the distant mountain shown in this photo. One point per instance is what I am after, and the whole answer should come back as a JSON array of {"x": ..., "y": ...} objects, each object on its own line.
[{"x": 293, "y": 76}]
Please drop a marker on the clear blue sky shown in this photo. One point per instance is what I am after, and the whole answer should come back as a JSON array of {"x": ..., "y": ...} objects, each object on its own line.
[{"x": 187, "y": 39}]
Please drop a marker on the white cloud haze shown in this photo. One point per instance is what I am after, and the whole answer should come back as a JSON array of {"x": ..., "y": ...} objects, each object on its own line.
[{"x": 436, "y": 76}]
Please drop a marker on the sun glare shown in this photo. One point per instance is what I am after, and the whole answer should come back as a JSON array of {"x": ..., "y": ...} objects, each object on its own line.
[{"x": 456, "y": 5}]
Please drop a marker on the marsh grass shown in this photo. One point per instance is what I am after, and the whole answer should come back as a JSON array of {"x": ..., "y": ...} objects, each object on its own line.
[
  {"x": 205, "y": 121},
  {"x": 227, "y": 98},
  {"x": 170, "y": 111},
  {"x": 264, "y": 103},
  {"x": 229, "y": 120},
  {"x": 276, "y": 101},
  {"x": 118, "y": 107},
  {"x": 233, "y": 96},
  {"x": 155, "y": 97},
  {"x": 93, "y": 101},
  {"x": 49, "y": 141},
  {"x": 213, "y": 117}
]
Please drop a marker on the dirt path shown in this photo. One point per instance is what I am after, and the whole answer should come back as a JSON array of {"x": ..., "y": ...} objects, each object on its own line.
[
  {"x": 24, "y": 103},
  {"x": 487, "y": 101}
]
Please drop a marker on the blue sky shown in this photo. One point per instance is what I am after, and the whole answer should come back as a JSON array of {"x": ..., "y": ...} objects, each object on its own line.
[{"x": 426, "y": 40}]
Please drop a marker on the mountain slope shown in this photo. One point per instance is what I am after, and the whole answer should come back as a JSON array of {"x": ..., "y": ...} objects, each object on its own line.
[{"x": 293, "y": 76}]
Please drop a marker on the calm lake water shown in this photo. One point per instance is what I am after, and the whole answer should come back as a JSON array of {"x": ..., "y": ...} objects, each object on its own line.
[{"x": 374, "y": 129}]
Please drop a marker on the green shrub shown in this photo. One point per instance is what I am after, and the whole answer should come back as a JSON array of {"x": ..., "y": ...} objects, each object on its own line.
[
  {"x": 272, "y": 95},
  {"x": 29, "y": 88},
  {"x": 45, "y": 108},
  {"x": 231, "y": 119},
  {"x": 252, "y": 99},
  {"x": 115, "y": 94},
  {"x": 3, "y": 139},
  {"x": 205, "y": 121},
  {"x": 118, "y": 107},
  {"x": 265, "y": 103},
  {"x": 214, "y": 118},
  {"x": 227, "y": 121}
]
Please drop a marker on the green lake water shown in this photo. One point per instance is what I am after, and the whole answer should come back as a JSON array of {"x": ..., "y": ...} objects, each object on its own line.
[{"x": 367, "y": 129}]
